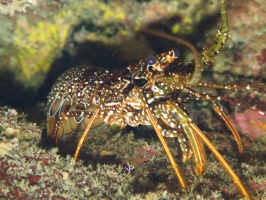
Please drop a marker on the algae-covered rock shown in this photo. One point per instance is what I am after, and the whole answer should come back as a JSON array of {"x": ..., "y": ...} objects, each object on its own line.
[
  {"x": 35, "y": 33},
  {"x": 137, "y": 168}
]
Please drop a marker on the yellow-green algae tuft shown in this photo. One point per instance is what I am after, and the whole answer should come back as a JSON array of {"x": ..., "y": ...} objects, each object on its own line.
[{"x": 38, "y": 44}]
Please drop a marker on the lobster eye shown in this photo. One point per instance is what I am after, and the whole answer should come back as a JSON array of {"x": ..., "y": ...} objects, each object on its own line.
[
  {"x": 176, "y": 53},
  {"x": 151, "y": 60}
]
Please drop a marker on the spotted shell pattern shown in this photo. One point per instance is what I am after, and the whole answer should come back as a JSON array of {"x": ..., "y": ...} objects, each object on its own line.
[{"x": 78, "y": 92}]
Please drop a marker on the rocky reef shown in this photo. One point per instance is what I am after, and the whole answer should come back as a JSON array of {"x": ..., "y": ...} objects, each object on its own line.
[{"x": 41, "y": 39}]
